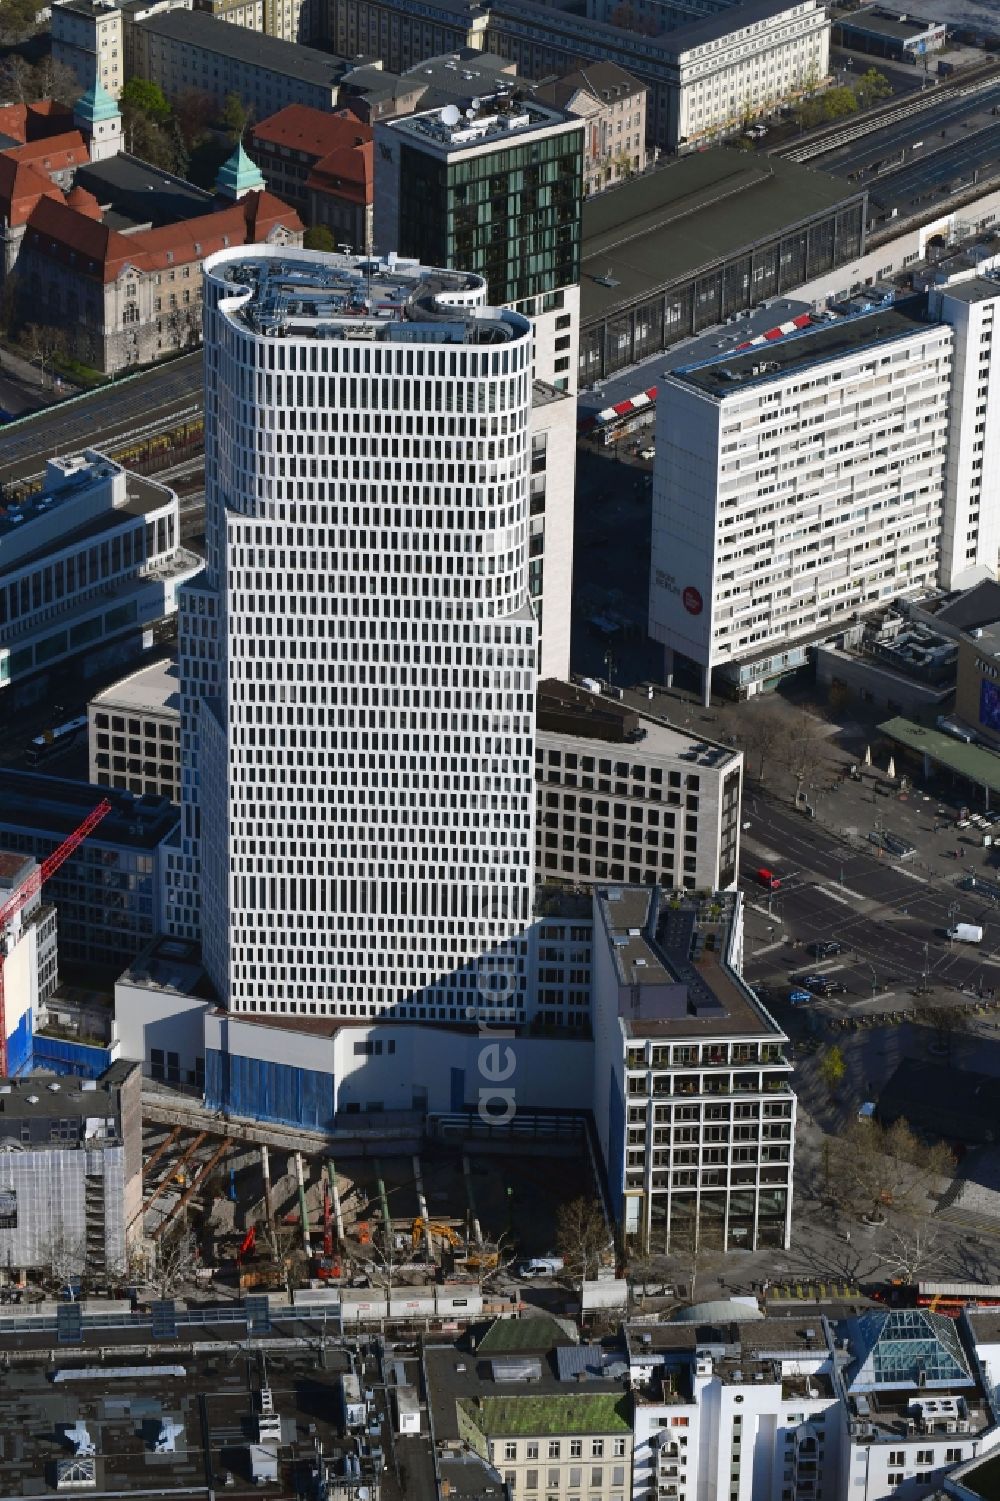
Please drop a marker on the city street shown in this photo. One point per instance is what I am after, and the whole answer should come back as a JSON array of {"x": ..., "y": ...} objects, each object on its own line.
[{"x": 890, "y": 915}]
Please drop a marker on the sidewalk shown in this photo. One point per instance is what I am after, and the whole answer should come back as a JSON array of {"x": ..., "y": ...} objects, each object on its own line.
[{"x": 45, "y": 387}]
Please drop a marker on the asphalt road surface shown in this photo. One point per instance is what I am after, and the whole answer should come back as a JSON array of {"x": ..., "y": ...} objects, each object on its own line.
[
  {"x": 890, "y": 918},
  {"x": 112, "y": 413}
]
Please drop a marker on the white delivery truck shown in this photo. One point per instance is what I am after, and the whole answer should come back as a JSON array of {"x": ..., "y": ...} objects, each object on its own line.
[{"x": 966, "y": 932}]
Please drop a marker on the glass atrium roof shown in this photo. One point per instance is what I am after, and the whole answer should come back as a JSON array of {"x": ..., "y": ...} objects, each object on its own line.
[{"x": 906, "y": 1348}]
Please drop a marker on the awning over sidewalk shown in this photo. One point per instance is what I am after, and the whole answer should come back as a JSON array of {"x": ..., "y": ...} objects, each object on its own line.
[{"x": 974, "y": 762}]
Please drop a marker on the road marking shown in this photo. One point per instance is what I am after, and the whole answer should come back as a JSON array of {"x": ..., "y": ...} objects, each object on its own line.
[
  {"x": 847, "y": 892},
  {"x": 902, "y": 870},
  {"x": 769, "y": 948}
]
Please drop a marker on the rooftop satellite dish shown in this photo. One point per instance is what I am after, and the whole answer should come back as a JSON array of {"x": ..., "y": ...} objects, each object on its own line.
[{"x": 451, "y": 114}]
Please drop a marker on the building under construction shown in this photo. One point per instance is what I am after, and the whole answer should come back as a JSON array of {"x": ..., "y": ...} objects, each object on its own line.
[{"x": 70, "y": 1173}]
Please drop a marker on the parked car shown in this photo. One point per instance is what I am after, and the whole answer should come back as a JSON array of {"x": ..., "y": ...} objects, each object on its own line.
[
  {"x": 799, "y": 997},
  {"x": 541, "y": 1266},
  {"x": 833, "y": 987},
  {"x": 826, "y": 949}
]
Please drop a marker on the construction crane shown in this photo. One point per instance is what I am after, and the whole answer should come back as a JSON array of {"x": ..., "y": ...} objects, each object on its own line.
[{"x": 31, "y": 888}]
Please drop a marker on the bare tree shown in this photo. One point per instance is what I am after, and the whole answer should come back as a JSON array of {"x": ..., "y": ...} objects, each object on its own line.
[
  {"x": 172, "y": 1261},
  {"x": 874, "y": 1168},
  {"x": 54, "y": 80},
  {"x": 759, "y": 735},
  {"x": 582, "y": 1236},
  {"x": 65, "y": 1262},
  {"x": 949, "y": 1024},
  {"x": 802, "y": 745},
  {"x": 916, "y": 1246},
  {"x": 17, "y": 80},
  {"x": 492, "y": 1259}
]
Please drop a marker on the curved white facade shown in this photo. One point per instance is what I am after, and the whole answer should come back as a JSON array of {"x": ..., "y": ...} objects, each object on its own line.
[{"x": 358, "y": 658}]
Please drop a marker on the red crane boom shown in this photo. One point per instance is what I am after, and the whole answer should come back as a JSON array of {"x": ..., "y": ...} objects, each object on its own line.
[{"x": 30, "y": 888}]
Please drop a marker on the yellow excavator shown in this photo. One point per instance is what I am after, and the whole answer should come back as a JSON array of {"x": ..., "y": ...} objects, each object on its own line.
[
  {"x": 483, "y": 1261},
  {"x": 423, "y": 1227}
]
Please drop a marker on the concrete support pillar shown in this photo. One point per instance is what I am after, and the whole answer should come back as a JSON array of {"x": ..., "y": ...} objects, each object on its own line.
[
  {"x": 706, "y": 687},
  {"x": 338, "y": 1213},
  {"x": 668, "y": 667},
  {"x": 265, "y": 1168},
  {"x": 303, "y": 1211}
]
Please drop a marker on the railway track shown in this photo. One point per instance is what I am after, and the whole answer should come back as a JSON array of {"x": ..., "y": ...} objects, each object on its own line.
[
  {"x": 834, "y": 137},
  {"x": 125, "y": 415}
]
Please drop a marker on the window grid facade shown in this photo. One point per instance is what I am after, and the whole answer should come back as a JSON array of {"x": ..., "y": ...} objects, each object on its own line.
[{"x": 357, "y": 764}]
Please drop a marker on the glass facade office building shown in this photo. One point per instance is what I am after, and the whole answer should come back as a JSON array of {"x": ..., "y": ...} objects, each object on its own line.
[{"x": 512, "y": 214}]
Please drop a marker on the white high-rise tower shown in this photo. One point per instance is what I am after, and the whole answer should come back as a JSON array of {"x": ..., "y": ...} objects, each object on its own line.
[{"x": 358, "y": 655}]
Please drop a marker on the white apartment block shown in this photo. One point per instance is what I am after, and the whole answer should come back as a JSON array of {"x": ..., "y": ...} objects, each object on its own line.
[
  {"x": 748, "y": 1413},
  {"x": 917, "y": 1397},
  {"x": 134, "y": 733},
  {"x": 96, "y": 38},
  {"x": 87, "y": 36},
  {"x": 91, "y": 558},
  {"x": 692, "y": 1101},
  {"x": 626, "y": 797},
  {"x": 741, "y": 63},
  {"x": 796, "y": 487},
  {"x": 358, "y": 761},
  {"x": 970, "y": 533}
]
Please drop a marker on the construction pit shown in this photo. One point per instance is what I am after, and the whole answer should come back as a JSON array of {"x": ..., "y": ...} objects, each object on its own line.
[{"x": 267, "y": 1218}]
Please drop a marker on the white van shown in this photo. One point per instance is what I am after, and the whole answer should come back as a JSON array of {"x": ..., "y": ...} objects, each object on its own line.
[
  {"x": 541, "y": 1266},
  {"x": 966, "y": 932}
]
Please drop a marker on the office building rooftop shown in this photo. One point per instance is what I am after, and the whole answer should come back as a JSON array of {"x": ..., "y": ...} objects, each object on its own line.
[
  {"x": 696, "y": 211},
  {"x": 494, "y": 119},
  {"x": 68, "y": 479},
  {"x": 354, "y": 297},
  {"x": 152, "y": 688},
  {"x": 54, "y": 806},
  {"x": 673, "y": 972},
  {"x": 816, "y": 345},
  {"x": 196, "y": 28},
  {"x": 565, "y": 709}
]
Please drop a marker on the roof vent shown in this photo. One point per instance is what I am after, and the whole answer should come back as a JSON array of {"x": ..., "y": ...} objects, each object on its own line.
[
  {"x": 53, "y": 1087},
  {"x": 32, "y": 1099}
]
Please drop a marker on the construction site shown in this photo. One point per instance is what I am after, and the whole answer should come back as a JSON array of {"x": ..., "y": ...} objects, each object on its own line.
[{"x": 268, "y": 1217}]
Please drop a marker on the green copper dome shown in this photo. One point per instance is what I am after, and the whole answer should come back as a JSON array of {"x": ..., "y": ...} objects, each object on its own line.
[
  {"x": 239, "y": 175},
  {"x": 95, "y": 105}
]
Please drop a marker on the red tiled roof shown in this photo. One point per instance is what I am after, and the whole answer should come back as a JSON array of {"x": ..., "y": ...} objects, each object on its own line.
[
  {"x": 14, "y": 121},
  {"x": 21, "y": 187},
  {"x": 33, "y": 122},
  {"x": 84, "y": 203},
  {"x": 46, "y": 116},
  {"x": 53, "y": 154},
  {"x": 347, "y": 173},
  {"x": 58, "y": 230},
  {"x": 315, "y": 131},
  {"x": 102, "y": 252}
]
